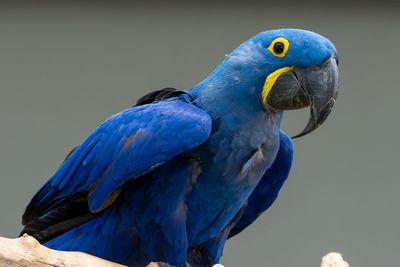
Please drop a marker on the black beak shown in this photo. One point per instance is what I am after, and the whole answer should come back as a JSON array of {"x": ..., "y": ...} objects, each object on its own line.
[{"x": 316, "y": 87}]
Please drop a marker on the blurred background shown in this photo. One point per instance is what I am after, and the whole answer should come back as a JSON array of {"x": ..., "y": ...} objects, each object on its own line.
[{"x": 67, "y": 66}]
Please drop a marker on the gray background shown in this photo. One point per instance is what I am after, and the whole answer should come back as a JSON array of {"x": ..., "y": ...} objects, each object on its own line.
[{"x": 65, "y": 67}]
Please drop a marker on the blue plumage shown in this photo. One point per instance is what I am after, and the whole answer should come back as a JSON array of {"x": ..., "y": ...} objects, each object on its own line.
[
  {"x": 174, "y": 177},
  {"x": 127, "y": 145},
  {"x": 268, "y": 188}
]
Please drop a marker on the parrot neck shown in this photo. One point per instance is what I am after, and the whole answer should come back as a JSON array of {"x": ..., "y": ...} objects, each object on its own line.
[
  {"x": 237, "y": 107},
  {"x": 234, "y": 89}
]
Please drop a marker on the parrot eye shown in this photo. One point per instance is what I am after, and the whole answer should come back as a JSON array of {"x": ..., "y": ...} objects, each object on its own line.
[{"x": 279, "y": 47}]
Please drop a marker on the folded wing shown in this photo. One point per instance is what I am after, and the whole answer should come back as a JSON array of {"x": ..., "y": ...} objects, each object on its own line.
[{"x": 126, "y": 146}]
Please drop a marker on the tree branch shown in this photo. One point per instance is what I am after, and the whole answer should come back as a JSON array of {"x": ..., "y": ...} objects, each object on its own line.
[{"x": 26, "y": 251}]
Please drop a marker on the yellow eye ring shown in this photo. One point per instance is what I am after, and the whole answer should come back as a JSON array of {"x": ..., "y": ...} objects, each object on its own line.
[{"x": 279, "y": 47}]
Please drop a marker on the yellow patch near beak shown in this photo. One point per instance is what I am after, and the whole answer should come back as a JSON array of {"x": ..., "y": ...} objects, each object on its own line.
[{"x": 270, "y": 81}]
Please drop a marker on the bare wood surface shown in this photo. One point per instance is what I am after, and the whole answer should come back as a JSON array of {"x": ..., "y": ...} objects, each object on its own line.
[
  {"x": 26, "y": 251},
  {"x": 334, "y": 259}
]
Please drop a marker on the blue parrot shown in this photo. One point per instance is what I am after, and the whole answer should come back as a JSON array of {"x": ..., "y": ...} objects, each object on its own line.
[{"x": 172, "y": 178}]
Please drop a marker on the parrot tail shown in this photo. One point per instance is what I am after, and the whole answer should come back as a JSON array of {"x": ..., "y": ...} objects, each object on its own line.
[{"x": 70, "y": 213}]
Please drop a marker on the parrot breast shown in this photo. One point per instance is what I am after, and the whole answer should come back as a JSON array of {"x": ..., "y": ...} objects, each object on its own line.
[{"x": 233, "y": 160}]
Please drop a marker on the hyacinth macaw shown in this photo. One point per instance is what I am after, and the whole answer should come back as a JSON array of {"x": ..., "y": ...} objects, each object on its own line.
[{"x": 172, "y": 178}]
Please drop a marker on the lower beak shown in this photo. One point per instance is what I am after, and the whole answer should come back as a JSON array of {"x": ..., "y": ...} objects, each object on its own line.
[{"x": 316, "y": 87}]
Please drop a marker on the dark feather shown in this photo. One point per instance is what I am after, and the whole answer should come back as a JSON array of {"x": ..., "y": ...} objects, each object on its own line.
[
  {"x": 68, "y": 214},
  {"x": 158, "y": 95}
]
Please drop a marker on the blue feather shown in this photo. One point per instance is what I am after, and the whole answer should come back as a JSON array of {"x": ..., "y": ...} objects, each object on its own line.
[{"x": 268, "y": 188}]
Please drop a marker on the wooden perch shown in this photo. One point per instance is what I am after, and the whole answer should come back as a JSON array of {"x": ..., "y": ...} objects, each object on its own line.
[{"x": 26, "y": 251}]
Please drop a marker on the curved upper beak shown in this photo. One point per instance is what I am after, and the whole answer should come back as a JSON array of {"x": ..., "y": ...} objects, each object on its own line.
[{"x": 316, "y": 87}]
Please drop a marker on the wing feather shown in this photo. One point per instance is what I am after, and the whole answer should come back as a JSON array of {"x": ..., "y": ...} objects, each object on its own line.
[{"x": 127, "y": 145}]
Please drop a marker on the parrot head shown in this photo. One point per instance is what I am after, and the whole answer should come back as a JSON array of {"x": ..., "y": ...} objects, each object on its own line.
[
  {"x": 306, "y": 74},
  {"x": 281, "y": 70}
]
